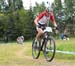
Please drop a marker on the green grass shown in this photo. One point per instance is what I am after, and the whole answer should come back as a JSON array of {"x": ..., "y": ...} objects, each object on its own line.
[
  {"x": 7, "y": 52},
  {"x": 62, "y": 45},
  {"x": 65, "y": 45},
  {"x": 13, "y": 54}
]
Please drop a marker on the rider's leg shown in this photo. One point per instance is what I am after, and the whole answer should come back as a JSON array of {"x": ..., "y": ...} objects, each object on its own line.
[{"x": 40, "y": 32}]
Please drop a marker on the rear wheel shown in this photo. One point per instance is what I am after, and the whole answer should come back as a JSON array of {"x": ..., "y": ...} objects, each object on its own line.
[
  {"x": 35, "y": 49},
  {"x": 49, "y": 49}
]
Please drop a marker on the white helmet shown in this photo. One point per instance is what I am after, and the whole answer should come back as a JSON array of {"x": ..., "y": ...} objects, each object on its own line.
[{"x": 49, "y": 7}]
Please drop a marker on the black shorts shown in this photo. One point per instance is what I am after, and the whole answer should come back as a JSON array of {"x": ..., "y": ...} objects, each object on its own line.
[{"x": 42, "y": 26}]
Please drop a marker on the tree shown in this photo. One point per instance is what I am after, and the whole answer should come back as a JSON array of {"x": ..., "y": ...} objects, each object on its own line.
[
  {"x": 64, "y": 13},
  {"x": 70, "y": 12},
  {"x": 15, "y": 4},
  {"x": 38, "y": 8},
  {"x": 58, "y": 4},
  {"x": 30, "y": 29},
  {"x": 3, "y": 5},
  {"x": 59, "y": 14}
]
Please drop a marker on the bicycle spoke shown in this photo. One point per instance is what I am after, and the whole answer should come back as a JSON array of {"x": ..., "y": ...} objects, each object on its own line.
[
  {"x": 35, "y": 50},
  {"x": 49, "y": 49}
]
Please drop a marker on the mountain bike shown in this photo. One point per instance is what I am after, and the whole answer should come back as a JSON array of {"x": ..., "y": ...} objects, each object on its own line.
[{"x": 46, "y": 43}]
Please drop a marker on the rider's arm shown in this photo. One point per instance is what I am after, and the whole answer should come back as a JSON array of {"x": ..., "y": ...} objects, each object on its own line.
[
  {"x": 54, "y": 22},
  {"x": 53, "y": 19},
  {"x": 36, "y": 21},
  {"x": 38, "y": 18}
]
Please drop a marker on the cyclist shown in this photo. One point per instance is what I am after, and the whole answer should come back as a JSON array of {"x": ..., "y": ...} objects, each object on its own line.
[{"x": 41, "y": 21}]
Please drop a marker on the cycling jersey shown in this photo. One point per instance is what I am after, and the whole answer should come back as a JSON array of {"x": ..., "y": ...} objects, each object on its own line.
[{"x": 43, "y": 19}]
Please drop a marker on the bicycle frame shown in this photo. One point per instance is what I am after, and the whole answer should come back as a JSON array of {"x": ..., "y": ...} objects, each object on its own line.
[{"x": 46, "y": 36}]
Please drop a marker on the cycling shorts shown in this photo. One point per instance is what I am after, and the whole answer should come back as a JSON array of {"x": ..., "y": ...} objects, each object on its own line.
[{"x": 41, "y": 26}]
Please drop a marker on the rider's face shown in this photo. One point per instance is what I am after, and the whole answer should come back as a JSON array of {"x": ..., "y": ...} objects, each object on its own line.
[{"x": 47, "y": 14}]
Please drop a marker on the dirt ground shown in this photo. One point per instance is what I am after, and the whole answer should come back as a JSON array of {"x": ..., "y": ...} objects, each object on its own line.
[
  {"x": 43, "y": 62},
  {"x": 25, "y": 60}
]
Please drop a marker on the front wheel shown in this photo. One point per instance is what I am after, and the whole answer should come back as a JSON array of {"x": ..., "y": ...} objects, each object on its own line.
[
  {"x": 35, "y": 49},
  {"x": 49, "y": 49}
]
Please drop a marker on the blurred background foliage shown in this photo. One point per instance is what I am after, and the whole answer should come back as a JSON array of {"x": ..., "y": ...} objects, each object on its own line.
[{"x": 15, "y": 20}]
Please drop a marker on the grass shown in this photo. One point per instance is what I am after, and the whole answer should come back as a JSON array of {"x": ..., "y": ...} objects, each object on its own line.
[
  {"x": 65, "y": 45},
  {"x": 62, "y": 45},
  {"x": 7, "y": 52},
  {"x": 13, "y": 54}
]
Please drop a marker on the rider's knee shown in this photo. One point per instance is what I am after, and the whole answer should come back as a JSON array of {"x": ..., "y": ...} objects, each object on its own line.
[{"x": 40, "y": 31}]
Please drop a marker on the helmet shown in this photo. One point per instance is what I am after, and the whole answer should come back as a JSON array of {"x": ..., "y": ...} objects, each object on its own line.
[{"x": 49, "y": 7}]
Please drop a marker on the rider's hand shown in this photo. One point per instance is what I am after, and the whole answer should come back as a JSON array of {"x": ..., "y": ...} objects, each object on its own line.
[{"x": 56, "y": 30}]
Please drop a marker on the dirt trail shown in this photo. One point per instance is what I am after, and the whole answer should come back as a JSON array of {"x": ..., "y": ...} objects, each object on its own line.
[
  {"x": 42, "y": 62},
  {"x": 21, "y": 53}
]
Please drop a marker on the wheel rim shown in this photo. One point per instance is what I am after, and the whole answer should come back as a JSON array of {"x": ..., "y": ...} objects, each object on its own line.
[
  {"x": 49, "y": 51},
  {"x": 35, "y": 50}
]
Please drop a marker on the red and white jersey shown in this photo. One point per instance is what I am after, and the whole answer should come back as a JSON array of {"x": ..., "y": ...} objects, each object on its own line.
[{"x": 43, "y": 19}]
